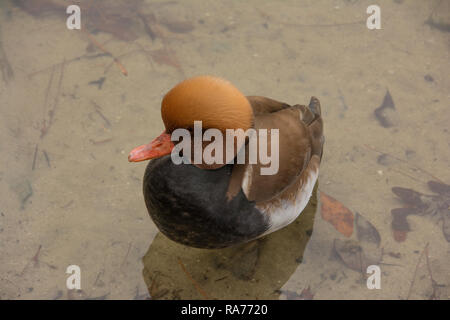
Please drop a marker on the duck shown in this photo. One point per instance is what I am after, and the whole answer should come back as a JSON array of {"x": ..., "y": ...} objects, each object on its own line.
[{"x": 222, "y": 204}]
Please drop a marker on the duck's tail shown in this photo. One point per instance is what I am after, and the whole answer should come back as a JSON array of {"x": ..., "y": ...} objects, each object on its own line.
[
  {"x": 315, "y": 126},
  {"x": 314, "y": 106}
]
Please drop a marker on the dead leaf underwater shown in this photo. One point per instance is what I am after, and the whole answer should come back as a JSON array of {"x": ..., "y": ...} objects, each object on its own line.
[
  {"x": 416, "y": 203},
  {"x": 356, "y": 254},
  {"x": 385, "y": 113},
  {"x": 363, "y": 252},
  {"x": 337, "y": 214}
]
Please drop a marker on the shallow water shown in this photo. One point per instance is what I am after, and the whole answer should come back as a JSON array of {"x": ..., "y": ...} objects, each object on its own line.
[{"x": 69, "y": 195}]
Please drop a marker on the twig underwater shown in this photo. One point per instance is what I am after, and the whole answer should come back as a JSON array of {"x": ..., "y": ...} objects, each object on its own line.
[
  {"x": 434, "y": 284},
  {"x": 402, "y": 160},
  {"x": 196, "y": 285}
]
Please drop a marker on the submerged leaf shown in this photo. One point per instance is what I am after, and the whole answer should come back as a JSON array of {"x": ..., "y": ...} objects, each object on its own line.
[
  {"x": 337, "y": 214},
  {"x": 446, "y": 224},
  {"x": 306, "y": 294},
  {"x": 417, "y": 203},
  {"x": 384, "y": 113},
  {"x": 354, "y": 256},
  {"x": 408, "y": 196},
  {"x": 440, "y": 188},
  {"x": 365, "y": 231},
  {"x": 400, "y": 225}
]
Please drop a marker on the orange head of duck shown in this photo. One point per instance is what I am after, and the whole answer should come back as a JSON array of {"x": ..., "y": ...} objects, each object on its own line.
[{"x": 213, "y": 101}]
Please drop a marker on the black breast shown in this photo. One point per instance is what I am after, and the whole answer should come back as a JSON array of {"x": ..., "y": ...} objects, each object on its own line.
[{"x": 189, "y": 205}]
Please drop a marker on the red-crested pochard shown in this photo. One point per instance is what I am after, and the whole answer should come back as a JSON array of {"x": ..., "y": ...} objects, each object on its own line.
[{"x": 219, "y": 205}]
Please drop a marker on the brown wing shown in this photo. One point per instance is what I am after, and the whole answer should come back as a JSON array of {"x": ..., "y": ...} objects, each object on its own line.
[
  {"x": 262, "y": 105},
  {"x": 300, "y": 137}
]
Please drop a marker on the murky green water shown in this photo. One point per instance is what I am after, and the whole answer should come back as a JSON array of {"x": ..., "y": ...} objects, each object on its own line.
[{"x": 69, "y": 117}]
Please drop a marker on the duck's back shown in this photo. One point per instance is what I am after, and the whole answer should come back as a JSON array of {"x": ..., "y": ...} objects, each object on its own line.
[{"x": 283, "y": 196}]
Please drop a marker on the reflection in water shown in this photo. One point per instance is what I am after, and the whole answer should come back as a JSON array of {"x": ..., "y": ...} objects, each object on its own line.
[{"x": 254, "y": 270}]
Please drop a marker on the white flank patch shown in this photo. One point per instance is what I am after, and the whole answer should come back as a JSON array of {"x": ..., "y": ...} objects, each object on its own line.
[
  {"x": 247, "y": 181},
  {"x": 280, "y": 215}
]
